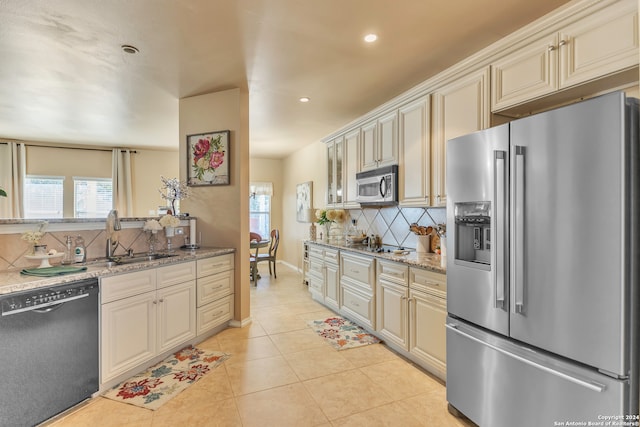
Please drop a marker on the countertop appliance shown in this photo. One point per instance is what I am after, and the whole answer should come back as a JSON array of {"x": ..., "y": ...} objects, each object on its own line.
[
  {"x": 49, "y": 351},
  {"x": 378, "y": 187},
  {"x": 543, "y": 321}
]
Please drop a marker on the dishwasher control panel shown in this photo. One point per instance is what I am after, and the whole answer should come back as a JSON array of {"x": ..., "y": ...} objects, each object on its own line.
[{"x": 47, "y": 297}]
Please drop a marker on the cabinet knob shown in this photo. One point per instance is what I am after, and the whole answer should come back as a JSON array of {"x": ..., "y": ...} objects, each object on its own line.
[
  {"x": 551, "y": 48},
  {"x": 562, "y": 43}
]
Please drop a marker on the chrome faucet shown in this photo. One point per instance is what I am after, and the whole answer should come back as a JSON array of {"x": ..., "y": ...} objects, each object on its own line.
[{"x": 112, "y": 224}]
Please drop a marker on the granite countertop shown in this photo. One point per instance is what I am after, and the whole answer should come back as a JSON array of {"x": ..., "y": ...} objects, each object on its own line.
[
  {"x": 428, "y": 261},
  {"x": 13, "y": 281}
]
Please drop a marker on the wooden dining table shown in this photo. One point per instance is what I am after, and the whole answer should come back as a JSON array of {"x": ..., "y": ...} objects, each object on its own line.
[{"x": 254, "y": 244}]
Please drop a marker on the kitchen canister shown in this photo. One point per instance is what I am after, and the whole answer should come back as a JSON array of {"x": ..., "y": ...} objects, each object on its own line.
[{"x": 424, "y": 243}]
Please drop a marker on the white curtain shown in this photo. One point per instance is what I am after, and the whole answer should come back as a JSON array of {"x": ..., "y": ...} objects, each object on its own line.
[
  {"x": 12, "y": 172},
  {"x": 121, "y": 175},
  {"x": 261, "y": 189}
]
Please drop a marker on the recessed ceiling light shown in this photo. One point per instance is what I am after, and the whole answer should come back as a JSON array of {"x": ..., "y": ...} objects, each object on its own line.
[
  {"x": 305, "y": 99},
  {"x": 370, "y": 38},
  {"x": 129, "y": 49}
]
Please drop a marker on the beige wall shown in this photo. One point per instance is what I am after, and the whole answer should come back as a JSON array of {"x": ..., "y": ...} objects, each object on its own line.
[
  {"x": 147, "y": 167},
  {"x": 270, "y": 170},
  {"x": 222, "y": 210},
  {"x": 306, "y": 164}
]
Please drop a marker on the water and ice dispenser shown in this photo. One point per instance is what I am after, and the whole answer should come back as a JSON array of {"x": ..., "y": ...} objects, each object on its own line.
[{"x": 473, "y": 234}]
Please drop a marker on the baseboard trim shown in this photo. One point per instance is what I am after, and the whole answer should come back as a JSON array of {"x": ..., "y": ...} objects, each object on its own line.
[{"x": 240, "y": 323}]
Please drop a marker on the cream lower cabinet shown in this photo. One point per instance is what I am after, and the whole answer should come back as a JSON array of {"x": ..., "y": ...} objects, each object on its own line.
[
  {"x": 357, "y": 288},
  {"x": 427, "y": 319},
  {"x": 597, "y": 46},
  {"x": 412, "y": 311},
  {"x": 393, "y": 305},
  {"x": 324, "y": 275},
  {"x": 144, "y": 314},
  {"x": 215, "y": 289}
]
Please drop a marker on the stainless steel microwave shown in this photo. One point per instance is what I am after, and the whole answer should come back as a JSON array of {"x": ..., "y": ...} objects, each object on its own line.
[{"x": 378, "y": 187}]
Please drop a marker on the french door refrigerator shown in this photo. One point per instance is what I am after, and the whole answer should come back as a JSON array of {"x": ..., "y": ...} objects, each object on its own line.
[{"x": 542, "y": 273}]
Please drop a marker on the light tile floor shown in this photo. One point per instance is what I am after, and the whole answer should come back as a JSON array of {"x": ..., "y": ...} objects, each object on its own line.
[{"x": 282, "y": 374}]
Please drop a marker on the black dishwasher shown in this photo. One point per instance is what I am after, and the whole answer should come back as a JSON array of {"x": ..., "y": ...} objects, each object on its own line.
[{"x": 48, "y": 351}]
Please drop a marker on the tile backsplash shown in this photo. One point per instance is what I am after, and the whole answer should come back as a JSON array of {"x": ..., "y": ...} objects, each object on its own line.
[
  {"x": 13, "y": 248},
  {"x": 392, "y": 223}
]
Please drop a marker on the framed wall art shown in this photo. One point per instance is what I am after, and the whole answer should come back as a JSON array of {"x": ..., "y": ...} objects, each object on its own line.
[
  {"x": 304, "y": 201},
  {"x": 208, "y": 158}
]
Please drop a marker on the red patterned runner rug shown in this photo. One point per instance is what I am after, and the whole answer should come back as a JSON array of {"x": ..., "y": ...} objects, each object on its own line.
[{"x": 162, "y": 382}]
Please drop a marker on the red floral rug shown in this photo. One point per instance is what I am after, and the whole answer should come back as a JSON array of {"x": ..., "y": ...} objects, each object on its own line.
[
  {"x": 341, "y": 333},
  {"x": 160, "y": 383}
]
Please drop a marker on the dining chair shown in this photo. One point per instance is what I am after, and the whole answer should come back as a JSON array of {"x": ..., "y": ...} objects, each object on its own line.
[
  {"x": 252, "y": 257},
  {"x": 270, "y": 257}
]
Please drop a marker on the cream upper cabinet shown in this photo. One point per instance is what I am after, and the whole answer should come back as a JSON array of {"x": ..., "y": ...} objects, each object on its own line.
[
  {"x": 459, "y": 108},
  {"x": 335, "y": 157},
  {"x": 601, "y": 44},
  {"x": 414, "y": 142},
  {"x": 351, "y": 164},
  {"x": 380, "y": 142}
]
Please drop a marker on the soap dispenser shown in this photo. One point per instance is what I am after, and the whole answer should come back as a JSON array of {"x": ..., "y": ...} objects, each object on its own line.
[
  {"x": 68, "y": 257},
  {"x": 80, "y": 252}
]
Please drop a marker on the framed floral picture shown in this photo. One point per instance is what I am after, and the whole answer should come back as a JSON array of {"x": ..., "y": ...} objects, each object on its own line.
[{"x": 208, "y": 158}]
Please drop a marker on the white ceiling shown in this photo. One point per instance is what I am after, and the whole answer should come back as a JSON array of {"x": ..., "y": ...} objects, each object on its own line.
[{"x": 64, "y": 78}]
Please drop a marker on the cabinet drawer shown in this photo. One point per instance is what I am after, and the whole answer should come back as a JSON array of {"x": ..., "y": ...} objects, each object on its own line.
[
  {"x": 428, "y": 281},
  {"x": 316, "y": 251},
  {"x": 213, "y": 265},
  {"x": 358, "y": 269},
  {"x": 359, "y": 304},
  {"x": 316, "y": 267},
  {"x": 176, "y": 273},
  {"x": 214, "y": 287},
  {"x": 393, "y": 271},
  {"x": 315, "y": 284},
  {"x": 331, "y": 255},
  {"x": 125, "y": 285},
  {"x": 214, "y": 314}
]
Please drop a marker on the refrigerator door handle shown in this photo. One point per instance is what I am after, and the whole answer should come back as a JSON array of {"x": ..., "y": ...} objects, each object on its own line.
[
  {"x": 498, "y": 261},
  {"x": 517, "y": 249},
  {"x": 584, "y": 382}
]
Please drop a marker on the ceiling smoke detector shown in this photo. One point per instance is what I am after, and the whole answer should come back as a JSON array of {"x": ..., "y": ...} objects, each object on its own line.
[{"x": 127, "y": 48}]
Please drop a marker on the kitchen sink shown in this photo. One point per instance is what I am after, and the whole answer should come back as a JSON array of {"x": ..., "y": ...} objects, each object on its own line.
[{"x": 119, "y": 260}]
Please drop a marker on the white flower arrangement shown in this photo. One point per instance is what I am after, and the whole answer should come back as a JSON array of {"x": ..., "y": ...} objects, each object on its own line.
[
  {"x": 169, "y": 221},
  {"x": 325, "y": 216},
  {"x": 34, "y": 236},
  {"x": 152, "y": 225},
  {"x": 172, "y": 190}
]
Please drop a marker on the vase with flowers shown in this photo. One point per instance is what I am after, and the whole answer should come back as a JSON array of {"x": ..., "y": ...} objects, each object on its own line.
[
  {"x": 151, "y": 227},
  {"x": 33, "y": 237},
  {"x": 332, "y": 220},
  {"x": 173, "y": 190},
  {"x": 169, "y": 222}
]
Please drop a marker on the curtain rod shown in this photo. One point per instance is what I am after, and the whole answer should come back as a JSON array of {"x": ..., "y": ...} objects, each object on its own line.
[{"x": 70, "y": 148}]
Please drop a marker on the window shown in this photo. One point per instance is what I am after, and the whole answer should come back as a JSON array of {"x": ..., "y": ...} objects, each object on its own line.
[
  {"x": 92, "y": 197},
  {"x": 43, "y": 197},
  {"x": 259, "y": 215}
]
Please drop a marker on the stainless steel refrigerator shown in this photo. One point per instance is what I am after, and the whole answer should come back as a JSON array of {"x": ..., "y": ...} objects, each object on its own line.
[{"x": 542, "y": 269}]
